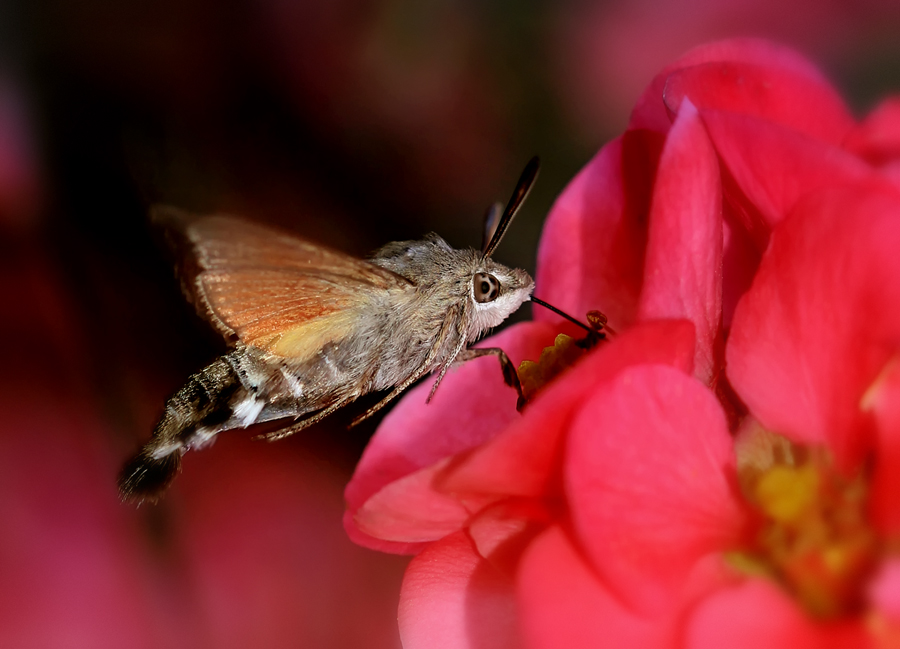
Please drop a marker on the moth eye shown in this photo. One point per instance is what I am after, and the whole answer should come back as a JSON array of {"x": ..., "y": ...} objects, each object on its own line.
[{"x": 486, "y": 287}]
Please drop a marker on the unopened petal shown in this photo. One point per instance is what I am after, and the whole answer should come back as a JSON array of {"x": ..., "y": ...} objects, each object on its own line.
[{"x": 683, "y": 262}]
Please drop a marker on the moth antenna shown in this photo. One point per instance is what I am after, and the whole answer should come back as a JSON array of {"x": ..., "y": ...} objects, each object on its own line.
[
  {"x": 491, "y": 220},
  {"x": 565, "y": 315},
  {"x": 526, "y": 180}
]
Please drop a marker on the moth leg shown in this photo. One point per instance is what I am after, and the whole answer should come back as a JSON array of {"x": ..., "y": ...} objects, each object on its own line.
[
  {"x": 510, "y": 376},
  {"x": 453, "y": 358},
  {"x": 296, "y": 427},
  {"x": 396, "y": 392},
  {"x": 448, "y": 325}
]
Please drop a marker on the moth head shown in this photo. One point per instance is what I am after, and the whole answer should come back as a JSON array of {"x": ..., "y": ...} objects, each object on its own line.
[{"x": 495, "y": 292}]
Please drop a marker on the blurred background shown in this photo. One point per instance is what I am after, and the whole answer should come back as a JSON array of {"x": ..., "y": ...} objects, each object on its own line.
[{"x": 351, "y": 122}]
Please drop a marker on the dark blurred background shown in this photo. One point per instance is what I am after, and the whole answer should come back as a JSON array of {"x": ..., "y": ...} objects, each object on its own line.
[{"x": 353, "y": 123}]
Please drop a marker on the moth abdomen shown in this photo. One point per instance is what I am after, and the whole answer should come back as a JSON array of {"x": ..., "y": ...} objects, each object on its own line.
[{"x": 192, "y": 417}]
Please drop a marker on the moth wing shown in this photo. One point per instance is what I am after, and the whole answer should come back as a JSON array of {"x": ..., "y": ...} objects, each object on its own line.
[{"x": 270, "y": 289}]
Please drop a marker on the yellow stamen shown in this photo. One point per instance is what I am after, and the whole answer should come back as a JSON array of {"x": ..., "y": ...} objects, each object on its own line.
[
  {"x": 814, "y": 537},
  {"x": 554, "y": 360},
  {"x": 783, "y": 493}
]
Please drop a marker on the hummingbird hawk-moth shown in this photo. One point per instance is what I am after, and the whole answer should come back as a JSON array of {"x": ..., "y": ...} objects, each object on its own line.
[{"x": 312, "y": 329}]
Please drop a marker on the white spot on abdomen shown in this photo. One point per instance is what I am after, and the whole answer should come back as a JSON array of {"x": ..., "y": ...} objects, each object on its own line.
[{"x": 248, "y": 410}]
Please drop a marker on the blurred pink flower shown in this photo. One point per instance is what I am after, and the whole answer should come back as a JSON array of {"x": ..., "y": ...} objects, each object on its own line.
[
  {"x": 743, "y": 217},
  {"x": 246, "y": 550},
  {"x": 605, "y": 52}
]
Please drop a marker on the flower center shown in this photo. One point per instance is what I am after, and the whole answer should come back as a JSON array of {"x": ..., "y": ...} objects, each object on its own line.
[
  {"x": 814, "y": 535},
  {"x": 534, "y": 375}
]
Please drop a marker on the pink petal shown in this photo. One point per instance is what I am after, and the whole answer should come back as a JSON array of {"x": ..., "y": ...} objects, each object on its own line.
[
  {"x": 503, "y": 531},
  {"x": 781, "y": 96},
  {"x": 891, "y": 173},
  {"x": 650, "y": 112},
  {"x": 649, "y": 471},
  {"x": 884, "y": 590},
  {"x": 374, "y": 543},
  {"x": 882, "y": 401},
  {"x": 524, "y": 459},
  {"x": 877, "y": 138},
  {"x": 821, "y": 319},
  {"x": 452, "y": 598},
  {"x": 740, "y": 259},
  {"x": 683, "y": 263},
  {"x": 773, "y": 166},
  {"x": 408, "y": 510},
  {"x": 472, "y": 405},
  {"x": 563, "y": 604},
  {"x": 426, "y": 505},
  {"x": 758, "y": 614},
  {"x": 591, "y": 253}
]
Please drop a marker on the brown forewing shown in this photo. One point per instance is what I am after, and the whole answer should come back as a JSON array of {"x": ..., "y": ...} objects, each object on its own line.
[{"x": 268, "y": 288}]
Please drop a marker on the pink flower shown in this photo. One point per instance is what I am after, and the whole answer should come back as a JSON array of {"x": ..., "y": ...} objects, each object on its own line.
[{"x": 741, "y": 235}]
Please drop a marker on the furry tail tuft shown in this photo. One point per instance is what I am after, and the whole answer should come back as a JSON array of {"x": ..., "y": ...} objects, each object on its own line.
[{"x": 145, "y": 477}]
